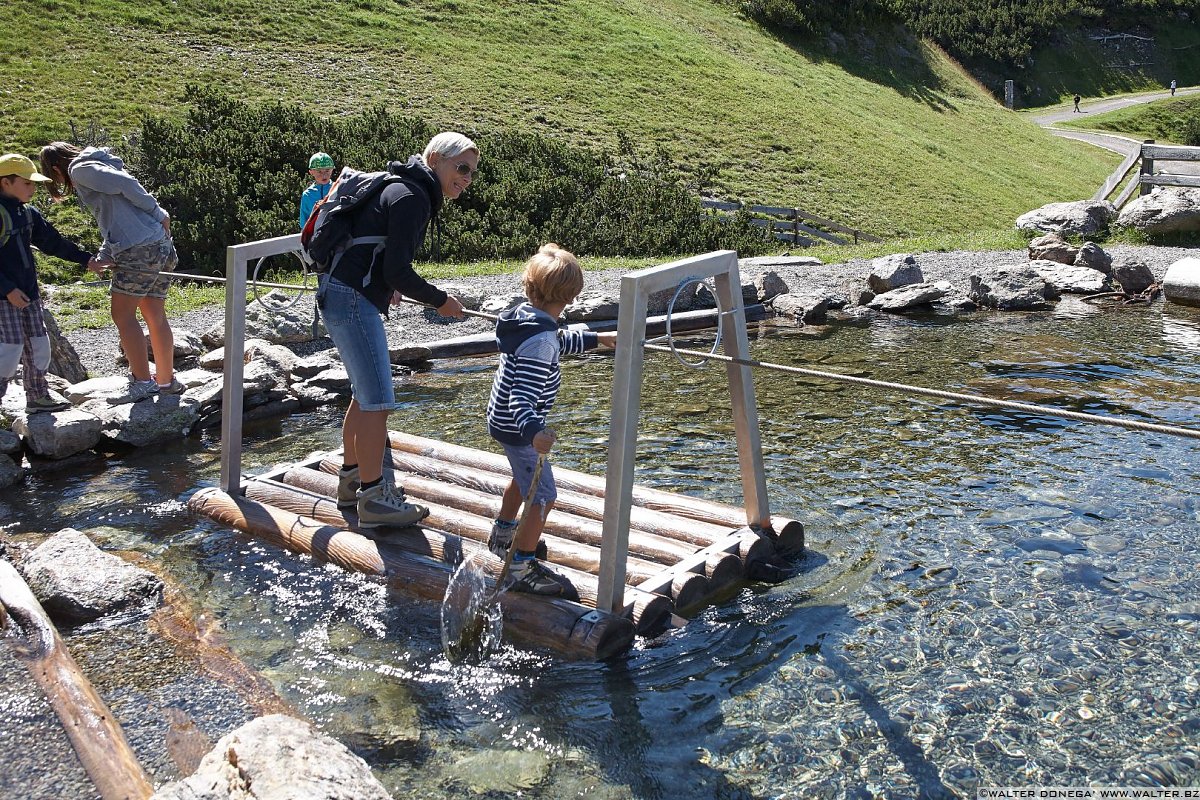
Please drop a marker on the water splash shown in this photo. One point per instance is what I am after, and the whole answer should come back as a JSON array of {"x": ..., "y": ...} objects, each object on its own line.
[{"x": 472, "y": 625}]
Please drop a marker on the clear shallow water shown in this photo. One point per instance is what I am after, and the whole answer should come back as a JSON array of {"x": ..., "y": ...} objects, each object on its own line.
[{"x": 988, "y": 598}]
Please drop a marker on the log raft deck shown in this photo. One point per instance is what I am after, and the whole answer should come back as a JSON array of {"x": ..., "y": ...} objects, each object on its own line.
[{"x": 639, "y": 558}]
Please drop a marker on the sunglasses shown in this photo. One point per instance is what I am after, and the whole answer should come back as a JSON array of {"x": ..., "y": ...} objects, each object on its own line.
[{"x": 463, "y": 168}]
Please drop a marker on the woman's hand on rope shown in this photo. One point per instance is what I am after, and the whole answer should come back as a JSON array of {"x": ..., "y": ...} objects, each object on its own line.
[
  {"x": 543, "y": 440},
  {"x": 451, "y": 308}
]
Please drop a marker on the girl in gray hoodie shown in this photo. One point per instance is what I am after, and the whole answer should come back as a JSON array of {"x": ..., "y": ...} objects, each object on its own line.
[{"x": 137, "y": 244}]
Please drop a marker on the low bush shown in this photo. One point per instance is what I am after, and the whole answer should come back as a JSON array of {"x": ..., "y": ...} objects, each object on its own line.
[{"x": 232, "y": 172}]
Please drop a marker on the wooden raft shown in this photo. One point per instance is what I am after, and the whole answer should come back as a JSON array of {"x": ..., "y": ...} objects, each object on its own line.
[{"x": 683, "y": 551}]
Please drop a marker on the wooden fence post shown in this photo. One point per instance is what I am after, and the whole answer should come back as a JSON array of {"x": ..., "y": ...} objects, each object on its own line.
[{"x": 1147, "y": 169}]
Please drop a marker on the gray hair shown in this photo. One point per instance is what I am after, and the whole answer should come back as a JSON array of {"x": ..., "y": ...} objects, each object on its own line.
[{"x": 448, "y": 144}]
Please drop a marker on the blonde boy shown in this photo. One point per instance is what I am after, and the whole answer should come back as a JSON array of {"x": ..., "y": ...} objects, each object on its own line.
[{"x": 523, "y": 392}]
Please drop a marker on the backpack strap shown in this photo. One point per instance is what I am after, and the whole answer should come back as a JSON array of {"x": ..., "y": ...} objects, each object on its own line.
[
  {"x": 6, "y": 226},
  {"x": 375, "y": 240}
]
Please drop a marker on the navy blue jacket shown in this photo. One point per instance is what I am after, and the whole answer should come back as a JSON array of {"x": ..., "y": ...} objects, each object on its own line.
[
  {"x": 401, "y": 212},
  {"x": 22, "y": 225}
]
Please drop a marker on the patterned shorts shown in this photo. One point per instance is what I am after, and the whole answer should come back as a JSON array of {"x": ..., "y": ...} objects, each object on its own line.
[{"x": 136, "y": 272}]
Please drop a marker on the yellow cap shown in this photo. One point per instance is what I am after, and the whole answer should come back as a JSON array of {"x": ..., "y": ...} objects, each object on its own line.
[{"x": 19, "y": 165}]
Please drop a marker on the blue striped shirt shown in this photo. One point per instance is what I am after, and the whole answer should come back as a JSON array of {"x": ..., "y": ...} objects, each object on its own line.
[{"x": 528, "y": 377}]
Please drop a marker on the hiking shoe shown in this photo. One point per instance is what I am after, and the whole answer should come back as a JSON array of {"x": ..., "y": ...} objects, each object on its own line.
[
  {"x": 501, "y": 537},
  {"x": 381, "y": 505},
  {"x": 35, "y": 405},
  {"x": 140, "y": 390},
  {"x": 347, "y": 493},
  {"x": 533, "y": 577},
  {"x": 174, "y": 387}
]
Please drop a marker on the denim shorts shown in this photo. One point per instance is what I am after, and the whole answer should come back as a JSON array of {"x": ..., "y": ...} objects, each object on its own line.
[
  {"x": 523, "y": 458},
  {"x": 136, "y": 272},
  {"x": 356, "y": 328}
]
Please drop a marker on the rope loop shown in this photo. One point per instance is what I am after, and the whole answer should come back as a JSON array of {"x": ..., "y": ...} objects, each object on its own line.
[
  {"x": 701, "y": 362},
  {"x": 300, "y": 290}
]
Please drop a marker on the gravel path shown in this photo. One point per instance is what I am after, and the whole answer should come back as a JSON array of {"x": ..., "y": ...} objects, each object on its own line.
[{"x": 408, "y": 324}]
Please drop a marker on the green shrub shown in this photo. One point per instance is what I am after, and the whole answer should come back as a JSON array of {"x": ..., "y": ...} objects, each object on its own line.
[{"x": 232, "y": 172}]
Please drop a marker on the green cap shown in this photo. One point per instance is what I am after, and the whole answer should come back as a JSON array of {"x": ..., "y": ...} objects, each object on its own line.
[{"x": 320, "y": 161}]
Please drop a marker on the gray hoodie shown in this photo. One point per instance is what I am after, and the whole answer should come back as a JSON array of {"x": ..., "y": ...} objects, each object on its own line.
[{"x": 126, "y": 213}]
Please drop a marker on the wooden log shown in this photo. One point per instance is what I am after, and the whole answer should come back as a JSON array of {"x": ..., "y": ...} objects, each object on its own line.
[
  {"x": 787, "y": 533},
  {"x": 650, "y": 612},
  {"x": 686, "y": 592},
  {"x": 557, "y": 624},
  {"x": 451, "y": 518},
  {"x": 561, "y": 523},
  {"x": 477, "y": 344},
  {"x": 701, "y": 534},
  {"x": 94, "y": 733}
]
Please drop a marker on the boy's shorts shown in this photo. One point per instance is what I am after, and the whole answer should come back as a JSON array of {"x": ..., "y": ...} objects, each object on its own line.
[
  {"x": 523, "y": 460},
  {"x": 136, "y": 271}
]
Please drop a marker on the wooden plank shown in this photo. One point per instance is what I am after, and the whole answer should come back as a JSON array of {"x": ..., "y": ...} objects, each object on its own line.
[
  {"x": 94, "y": 733},
  {"x": 720, "y": 205},
  {"x": 1162, "y": 179},
  {"x": 1164, "y": 152},
  {"x": 774, "y": 211},
  {"x": 1133, "y": 185},
  {"x": 1118, "y": 175},
  {"x": 829, "y": 237},
  {"x": 833, "y": 226}
]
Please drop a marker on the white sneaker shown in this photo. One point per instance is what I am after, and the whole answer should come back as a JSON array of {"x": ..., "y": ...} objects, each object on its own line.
[{"x": 381, "y": 505}]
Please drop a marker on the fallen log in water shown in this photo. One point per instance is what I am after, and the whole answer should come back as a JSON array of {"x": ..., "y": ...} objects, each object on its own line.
[
  {"x": 561, "y": 625},
  {"x": 788, "y": 533},
  {"x": 94, "y": 733},
  {"x": 650, "y": 612},
  {"x": 478, "y": 344}
]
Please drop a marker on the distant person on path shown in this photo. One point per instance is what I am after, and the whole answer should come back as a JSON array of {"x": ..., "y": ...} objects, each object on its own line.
[
  {"x": 320, "y": 167},
  {"x": 23, "y": 338},
  {"x": 1077, "y": 98},
  {"x": 137, "y": 245},
  {"x": 523, "y": 392},
  {"x": 358, "y": 289},
  {"x": 1172, "y": 87}
]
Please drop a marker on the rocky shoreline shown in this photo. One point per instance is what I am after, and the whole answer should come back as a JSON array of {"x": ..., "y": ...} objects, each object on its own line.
[{"x": 98, "y": 347}]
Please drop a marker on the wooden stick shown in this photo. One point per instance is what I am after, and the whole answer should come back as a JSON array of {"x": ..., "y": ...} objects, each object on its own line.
[{"x": 94, "y": 733}]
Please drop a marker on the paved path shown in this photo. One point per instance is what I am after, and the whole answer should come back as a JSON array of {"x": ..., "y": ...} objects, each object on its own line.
[{"x": 1124, "y": 145}]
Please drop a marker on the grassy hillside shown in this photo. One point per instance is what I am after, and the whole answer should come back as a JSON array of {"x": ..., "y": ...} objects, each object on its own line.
[{"x": 872, "y": 129}]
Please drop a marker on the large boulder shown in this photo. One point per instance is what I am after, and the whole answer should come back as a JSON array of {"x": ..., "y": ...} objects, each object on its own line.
[
  {"x": 1052, "y": 247},
  {"x": 1014, "y": 288},
  {"x": 1182, "y": 282},
  {"x": 892, "y": 272},
  {"x": 1078, "y": 218},
  {"x": 59, "y": 434},
  {"x": 914, "y": 295},
  {"x": 277, "y": 757},
  {"x": 1070, "y": 278},
  {"x": 76, "y": 581},
  {"x": 1164, "y": 210},
  {"x": 1134, "y": 277}
]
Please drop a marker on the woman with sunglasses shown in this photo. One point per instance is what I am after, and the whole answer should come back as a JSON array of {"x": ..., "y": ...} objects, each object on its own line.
[{"x": 359, "y": 288}]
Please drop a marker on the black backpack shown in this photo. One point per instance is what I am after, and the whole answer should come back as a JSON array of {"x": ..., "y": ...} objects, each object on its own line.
[{"x": 326, "y": 236}]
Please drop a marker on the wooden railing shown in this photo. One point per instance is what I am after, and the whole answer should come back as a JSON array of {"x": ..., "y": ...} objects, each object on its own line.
[
  {"x": 793, "y": 225},
  {"x": 1146, "y": 179}
]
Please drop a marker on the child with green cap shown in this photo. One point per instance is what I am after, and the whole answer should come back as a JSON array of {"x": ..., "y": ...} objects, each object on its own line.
[
  {"x": 320, "y": 167},
  {"x": 23, "y": 337}
]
